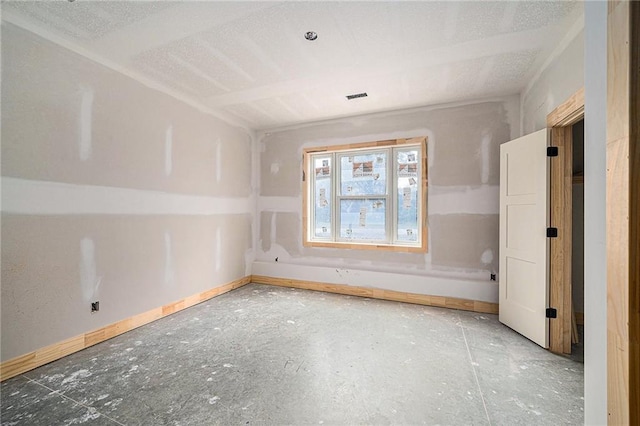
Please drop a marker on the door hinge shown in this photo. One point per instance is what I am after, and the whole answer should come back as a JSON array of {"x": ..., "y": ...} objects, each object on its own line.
[
  {"x": 552, "y": 151},
  {"x": 552, "y": 313},
  {"x": 552, "y": 232},
  {"x": 303, "y": 176}
]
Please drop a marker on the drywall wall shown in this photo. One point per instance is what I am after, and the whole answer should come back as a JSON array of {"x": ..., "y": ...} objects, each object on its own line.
[
  {"x": 111, "y": 191},
  {"x": 595, "y": 270},
  {"x": 560, "y": 78},
  {"x": 463, "y": 201}
]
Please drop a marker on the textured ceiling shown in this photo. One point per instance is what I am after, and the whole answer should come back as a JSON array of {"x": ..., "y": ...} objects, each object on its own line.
[{"x": 249, "y": 61}]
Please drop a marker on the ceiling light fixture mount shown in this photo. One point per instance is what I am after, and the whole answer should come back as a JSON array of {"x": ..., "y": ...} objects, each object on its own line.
[{"x": 311, "y": 35}]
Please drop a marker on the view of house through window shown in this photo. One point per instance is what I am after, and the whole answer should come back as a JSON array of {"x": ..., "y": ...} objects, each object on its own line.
[{"x": 370, "y": 194}]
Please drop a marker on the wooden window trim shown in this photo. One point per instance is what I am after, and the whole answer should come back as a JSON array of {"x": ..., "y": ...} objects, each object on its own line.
[{"x": 306, "y": 242}]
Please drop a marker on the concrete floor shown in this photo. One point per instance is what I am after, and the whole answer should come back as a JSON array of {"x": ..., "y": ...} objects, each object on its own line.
[{"x": 269, "y": 355}]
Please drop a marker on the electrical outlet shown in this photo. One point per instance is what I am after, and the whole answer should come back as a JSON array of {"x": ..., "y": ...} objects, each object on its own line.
[
  {"x": 493, "y": 277},
  {"x": 95, "y": 307}
]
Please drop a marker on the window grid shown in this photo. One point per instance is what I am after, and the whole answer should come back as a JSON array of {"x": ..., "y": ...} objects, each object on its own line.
[
  {"x": 337, "y": 224},
  {"x": 419, "y": 192}
]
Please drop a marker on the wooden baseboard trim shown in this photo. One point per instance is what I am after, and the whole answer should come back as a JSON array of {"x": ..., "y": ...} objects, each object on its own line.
[
  {"x": 374, "y": 293},
  {"x": 39, "y": 357}
]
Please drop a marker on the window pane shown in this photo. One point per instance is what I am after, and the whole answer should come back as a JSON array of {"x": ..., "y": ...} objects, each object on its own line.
[
  {"x": 363, "y": 174},
  {"x": 322, "y": 197},
  {"x": 407, "y": 202},
  {"x": 363, "y": 220}
]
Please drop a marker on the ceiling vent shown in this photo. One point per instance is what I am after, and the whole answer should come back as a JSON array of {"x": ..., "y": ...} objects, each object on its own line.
[{"x": 357, "y": 95}]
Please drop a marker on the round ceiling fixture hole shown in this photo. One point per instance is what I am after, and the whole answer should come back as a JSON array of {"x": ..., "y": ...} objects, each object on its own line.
[{"x": 311, "y": 35}]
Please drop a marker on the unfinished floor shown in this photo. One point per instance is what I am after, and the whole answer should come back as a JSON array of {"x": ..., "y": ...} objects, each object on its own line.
[{"x": 270, "y": 355}]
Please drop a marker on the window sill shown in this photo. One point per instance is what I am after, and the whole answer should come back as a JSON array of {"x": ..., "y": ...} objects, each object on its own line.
[{"x": 366, "y": 246}]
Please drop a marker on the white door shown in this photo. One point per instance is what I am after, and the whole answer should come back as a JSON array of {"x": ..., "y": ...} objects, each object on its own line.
[{"x": 524, "y": 212}]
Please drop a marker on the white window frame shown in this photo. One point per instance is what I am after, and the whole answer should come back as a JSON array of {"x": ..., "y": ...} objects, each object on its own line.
[{"x": 335, "y": 153}]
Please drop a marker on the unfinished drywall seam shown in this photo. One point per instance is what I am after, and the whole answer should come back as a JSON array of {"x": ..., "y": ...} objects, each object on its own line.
[
  {"x": 279, "y": 204},
  {"x": 26, "y": 196},
  {"x": 485, "y": 147},
  {"x": 89, "y": 280},
  {"x": 273, "y": 228}
]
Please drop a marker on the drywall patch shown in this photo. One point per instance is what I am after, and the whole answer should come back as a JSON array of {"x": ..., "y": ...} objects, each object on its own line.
[
  {"x": 89, "y": 280},
  {"x": 86, "y": 123},
  {"x": 273, "y": 228},
  {"x": 487, "y": 257},
  {"x": 280, "y": 168},
  {"x": 265, "y": 230},
  {"x": 461, "y": 240},
  {"x": 287, "y": 232},
  {"x": 431, "y": 150},
  {"x": 168, "y": 150},
  {"x": 485, "y": 157}
]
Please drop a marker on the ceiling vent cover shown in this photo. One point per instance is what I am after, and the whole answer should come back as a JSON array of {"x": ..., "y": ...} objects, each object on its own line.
[{"x": 357, "y": 95}]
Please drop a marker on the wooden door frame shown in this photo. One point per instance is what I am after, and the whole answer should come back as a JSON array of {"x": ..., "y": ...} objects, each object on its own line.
[
  {"x": 561, "y": 121},
  {"x": 623, "y": 212}
]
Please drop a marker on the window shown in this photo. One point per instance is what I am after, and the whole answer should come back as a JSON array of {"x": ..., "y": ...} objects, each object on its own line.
[{"x": 369, "y": 196}]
